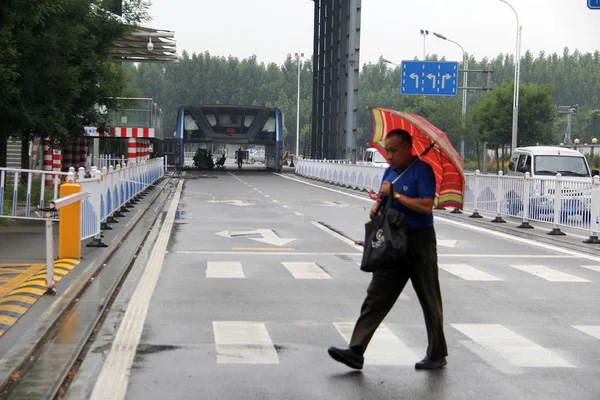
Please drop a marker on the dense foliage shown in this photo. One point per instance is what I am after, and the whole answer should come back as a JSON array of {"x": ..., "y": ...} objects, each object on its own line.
[
  {"x": 546, "y": 81},
  {"x": 54, "y": 65}
]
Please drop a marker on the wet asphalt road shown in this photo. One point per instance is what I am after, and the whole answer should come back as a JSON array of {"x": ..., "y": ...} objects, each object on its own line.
[{"x": 238, "y": 312}]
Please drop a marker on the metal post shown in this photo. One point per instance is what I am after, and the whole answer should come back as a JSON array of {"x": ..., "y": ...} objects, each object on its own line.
[
  {"x": 526, "y": 196},
  {"x": 298, "y": 58},
  {"x": 499, "y": 199},
  {"x": 557, "y": 200},
  {"x": 464, "y": 109},
  {"x": 50, "y": 284},
  {"x": 515, "y": 120},
  {"x": 352, "y": 76},
  {"x": 569, "y": 128},
  {"x": 594, "y": 211},
  {"x": 476, "y": 194}
]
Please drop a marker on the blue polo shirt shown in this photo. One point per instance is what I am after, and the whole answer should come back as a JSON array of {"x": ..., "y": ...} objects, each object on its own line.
[{"x": 417, "y": 182}]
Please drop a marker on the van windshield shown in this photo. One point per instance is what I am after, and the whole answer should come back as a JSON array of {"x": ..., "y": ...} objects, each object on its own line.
[
  {"x": 567, "y": 166},
  {"x": 379, "y": 158}
]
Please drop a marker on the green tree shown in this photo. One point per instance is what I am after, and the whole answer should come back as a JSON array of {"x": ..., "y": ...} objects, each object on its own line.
[{"x": 536, "y": 111}]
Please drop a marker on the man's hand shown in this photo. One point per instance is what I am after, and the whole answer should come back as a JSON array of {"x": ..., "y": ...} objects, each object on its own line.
[
  {"x": 386, "y": 188},
  {"x": 374, "y": 208}
]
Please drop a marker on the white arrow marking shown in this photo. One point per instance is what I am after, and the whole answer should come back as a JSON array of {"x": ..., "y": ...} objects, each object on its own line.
[
  {"x": 447, "y": 76},
  {"x": 432, "y": 77},
  {"x": 447, "y": 243},
  {"x": 268, "y": 236},
  {"x": 239, "y": 203},
  {"x": 416, "y": 78}
]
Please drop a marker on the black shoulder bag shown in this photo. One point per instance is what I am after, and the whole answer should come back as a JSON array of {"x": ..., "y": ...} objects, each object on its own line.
[
  {"x": 385, "y": 235},
  {"x": 385, "y": 238}
]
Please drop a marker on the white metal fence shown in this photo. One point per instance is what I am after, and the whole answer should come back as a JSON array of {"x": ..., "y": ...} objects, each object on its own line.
[
  {"x": 112, "y": 188},
  {"x": 23, "y": 191},
  {"x": 557, "y": 200}
]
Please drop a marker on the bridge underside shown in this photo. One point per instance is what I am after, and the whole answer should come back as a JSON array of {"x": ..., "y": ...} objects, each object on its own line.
[{"x": 335, "y": 85}]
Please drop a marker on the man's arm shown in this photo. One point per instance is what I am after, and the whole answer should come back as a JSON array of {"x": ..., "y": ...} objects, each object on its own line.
[{"x": 422, "y": 206}]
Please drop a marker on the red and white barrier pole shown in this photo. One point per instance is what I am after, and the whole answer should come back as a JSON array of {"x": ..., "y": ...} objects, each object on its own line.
[
  {"x": 47, "y": 161},
  {"x": 131, "y": 150}
]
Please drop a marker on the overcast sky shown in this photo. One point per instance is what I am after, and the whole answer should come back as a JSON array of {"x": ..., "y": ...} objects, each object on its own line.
[{"x": 271, "y": 29}]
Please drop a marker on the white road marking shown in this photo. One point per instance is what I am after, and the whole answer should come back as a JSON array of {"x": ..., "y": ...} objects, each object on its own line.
[
  {"x": 548, "y": 274},
  {"x": 338, "y": 236},
  {"x": 592, "y": 267},
  {"x": 384, "y": 349},
  {"x": 592, "y": 330},
  {"x": 447, "y": 243},
  {"x": 306, "y": 270},
  {"x": 266, "y": 195},
  {"x": 516, "y": 349},
  {"x": 284, "y": 206},
  {"x": 224, "y": 269},
  {"x": 468, "y": 273},
  {"x": 297, "y": 213},
  {"x": 243, "y": 342},
  {"x": 114, "y": 377}
]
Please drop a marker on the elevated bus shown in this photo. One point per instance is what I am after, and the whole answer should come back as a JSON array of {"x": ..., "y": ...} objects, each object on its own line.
[{"x": 226, "y": 128}]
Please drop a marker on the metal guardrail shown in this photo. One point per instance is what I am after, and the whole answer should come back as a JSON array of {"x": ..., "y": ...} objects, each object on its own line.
[
  {"x": 24, "y": 199},
  {"x": 557, "y": 200},
  {"x": 113, "y": 190}
]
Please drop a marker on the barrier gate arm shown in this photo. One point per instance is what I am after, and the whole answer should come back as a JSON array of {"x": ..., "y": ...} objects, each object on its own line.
[{"x": 56, "y": 205}]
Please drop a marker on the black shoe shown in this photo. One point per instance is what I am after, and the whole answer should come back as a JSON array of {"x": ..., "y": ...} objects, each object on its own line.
[
  {"x": 347, "y": 356},
  {"x": 428, "y": 363}
]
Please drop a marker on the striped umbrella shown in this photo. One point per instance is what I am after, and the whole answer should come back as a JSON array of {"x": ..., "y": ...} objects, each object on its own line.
[{"x": 444, "y": 160}]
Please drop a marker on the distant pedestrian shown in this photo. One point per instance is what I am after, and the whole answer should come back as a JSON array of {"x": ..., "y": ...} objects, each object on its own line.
[
  {"x": 414, "y": 196},
  {"x": 240, "y": 158}
]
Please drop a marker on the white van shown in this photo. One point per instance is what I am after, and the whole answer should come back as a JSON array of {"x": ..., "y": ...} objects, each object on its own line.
[
  {"x": 548, "y": 160},
  {"x": 373, "y": 157}
]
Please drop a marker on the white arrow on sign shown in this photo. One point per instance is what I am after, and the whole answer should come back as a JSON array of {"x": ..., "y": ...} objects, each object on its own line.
[
  {"x": 268, "y": 236},
  {"x": 238, "y": 203},
  {"x": 432, "y": 77},
  {"x": 416, "y": 78},
  {"x": 447, "y": 76}
]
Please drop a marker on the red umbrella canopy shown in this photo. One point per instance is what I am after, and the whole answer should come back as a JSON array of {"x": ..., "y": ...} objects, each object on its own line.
[{"x": 444, "y": 160}]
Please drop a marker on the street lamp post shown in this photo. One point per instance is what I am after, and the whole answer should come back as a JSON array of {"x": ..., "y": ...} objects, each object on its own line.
[
  {"x": 424, "y": 32},
  {"x": 298, "y": 59},
  {"x": 464, "y": 93},
  {"x": 515, "y": 119}
]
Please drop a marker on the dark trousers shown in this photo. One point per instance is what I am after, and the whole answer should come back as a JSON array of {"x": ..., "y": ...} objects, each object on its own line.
[{"x": 420, "y": 266}]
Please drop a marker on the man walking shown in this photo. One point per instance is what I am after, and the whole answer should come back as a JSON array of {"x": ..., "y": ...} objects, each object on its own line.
[{"x": 414, "y": 197}]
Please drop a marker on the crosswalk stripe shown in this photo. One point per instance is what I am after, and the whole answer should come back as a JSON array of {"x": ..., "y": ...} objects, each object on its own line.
[
  {"x": 468, "y": 273},
  {"x": 514, "y": 348},
  {"x": 306, "y": 270},
  {"x": 243, "y": 342},
  {"x": 592, "y": 330},
  {"x": 384, "y": 349},
  {"x": 549, "y": 274},
  {"x": 224, "y": 269},
  {"x": 592, "y": 267}
]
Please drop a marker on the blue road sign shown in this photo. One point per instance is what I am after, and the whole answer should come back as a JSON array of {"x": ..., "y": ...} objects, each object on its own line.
[
  {"x": 593, "y": 4},
  {"x": 429, "y": 78}
]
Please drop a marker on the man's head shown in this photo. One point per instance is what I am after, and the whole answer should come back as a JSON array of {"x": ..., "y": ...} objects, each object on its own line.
[{"x": 398, "y": 145}]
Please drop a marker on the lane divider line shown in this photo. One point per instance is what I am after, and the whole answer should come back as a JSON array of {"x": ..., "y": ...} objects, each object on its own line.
[{"x": 114, "y": 377}]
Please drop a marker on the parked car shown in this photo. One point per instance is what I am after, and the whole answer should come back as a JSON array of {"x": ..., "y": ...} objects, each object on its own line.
[{"x": 544, "y": 163}]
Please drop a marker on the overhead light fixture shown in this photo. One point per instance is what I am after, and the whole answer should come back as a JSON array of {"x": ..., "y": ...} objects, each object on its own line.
[{"x": 150, "y": 45}]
